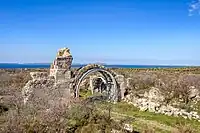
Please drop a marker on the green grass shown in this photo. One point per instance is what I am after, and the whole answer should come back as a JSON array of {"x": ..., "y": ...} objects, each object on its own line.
[
  {"x": 130, "y": 110},
  {"x": 85, "y": 93}
]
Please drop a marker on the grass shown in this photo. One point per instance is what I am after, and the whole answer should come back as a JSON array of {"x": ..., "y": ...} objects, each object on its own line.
[
  {"x": 85, "y": 93},
  {"x": 147, "y": 118}
]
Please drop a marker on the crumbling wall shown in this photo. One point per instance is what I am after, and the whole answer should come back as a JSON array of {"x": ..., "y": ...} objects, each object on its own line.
[
  {"x": 43, "y": 92},
  {"x": 154, "y": 101}
]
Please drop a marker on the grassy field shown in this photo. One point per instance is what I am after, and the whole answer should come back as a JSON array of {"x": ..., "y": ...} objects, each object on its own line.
[{"x": 143, "y": 121}]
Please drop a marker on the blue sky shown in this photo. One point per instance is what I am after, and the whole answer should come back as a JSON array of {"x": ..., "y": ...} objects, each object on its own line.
[{"x": 109, "y": 31}]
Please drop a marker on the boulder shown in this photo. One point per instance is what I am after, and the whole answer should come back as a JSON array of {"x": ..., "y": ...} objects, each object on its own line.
[
  {"x": 194, "y": 93},
  {"x": 154, "y": 94}
]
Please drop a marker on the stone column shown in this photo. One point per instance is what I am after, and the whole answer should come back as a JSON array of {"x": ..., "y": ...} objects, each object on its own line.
[
  {"x": 60, "y": 70},
  {"x": 128, "y": 82},
  {"x": 91, "y": 84},
  {"x": 121, "y": 84}
]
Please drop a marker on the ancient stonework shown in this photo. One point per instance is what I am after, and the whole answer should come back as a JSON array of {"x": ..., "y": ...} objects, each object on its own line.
[
  {"x": 60, "y": 68},
  {"x": 63, "y": 59},
  {"x": 121, "y": 84},
  {"x": 153, "y": 101},
  {"x": 62, "y": 81},
  {"x": 61, "y": 85}
]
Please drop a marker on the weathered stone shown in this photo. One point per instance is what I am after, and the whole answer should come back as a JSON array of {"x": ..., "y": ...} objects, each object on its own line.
[
  {"x": 153, "y": 101},
  {"x": 61, "y": 77},
  {"x": 155, "y": 94},
  {"x": 35, "y": 84},
  {"x": 128, "y": 80},
  {"x": 39, "y": 75},
  {"x": 145, "y": 108},
  {"x": 194, "y": 93},
  {"x": 122, "y": 84},
  {"x": 61, "y": 64},
  {"x": 128, "y": 127},
  {"x": 43, "y": 93}
]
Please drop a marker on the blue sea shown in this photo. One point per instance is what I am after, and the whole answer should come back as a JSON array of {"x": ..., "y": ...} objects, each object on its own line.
[{"x": 12, "y": 66}]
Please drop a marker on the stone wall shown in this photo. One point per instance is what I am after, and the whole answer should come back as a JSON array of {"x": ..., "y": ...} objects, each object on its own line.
[{"x": 42, "y": 91}]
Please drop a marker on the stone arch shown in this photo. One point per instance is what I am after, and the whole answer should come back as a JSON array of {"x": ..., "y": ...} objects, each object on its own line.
[{"x": 109, "y": 76}]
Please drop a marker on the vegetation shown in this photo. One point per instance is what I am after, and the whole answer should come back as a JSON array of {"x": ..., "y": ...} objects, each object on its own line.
[
  {"x": 175, "y": 83},
  {"x": 157, "y": 122},
  {"x": 89, "y": 117}
]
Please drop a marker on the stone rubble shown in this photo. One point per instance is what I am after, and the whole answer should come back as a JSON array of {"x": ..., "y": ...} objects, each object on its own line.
[
  {"x": 153, "y": 102},
  {"x": 38, "y": 75}
]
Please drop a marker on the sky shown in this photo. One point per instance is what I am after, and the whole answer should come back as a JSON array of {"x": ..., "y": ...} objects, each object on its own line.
[{"x": 142, "y": 32}]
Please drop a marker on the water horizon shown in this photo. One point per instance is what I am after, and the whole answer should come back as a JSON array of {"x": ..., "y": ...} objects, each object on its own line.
[{"x": 47, "y": 65}]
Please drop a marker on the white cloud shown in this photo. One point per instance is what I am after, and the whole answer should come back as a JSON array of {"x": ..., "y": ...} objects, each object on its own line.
[{"x": 194, "y": 8}]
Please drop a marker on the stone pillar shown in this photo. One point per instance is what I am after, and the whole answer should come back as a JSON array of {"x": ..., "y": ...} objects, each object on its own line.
[
  {"x": 91, "y": 84},
  {"x": 60, "y": 68},
  {"x": 128, "y": 82},
  {"x": 121, "y": 84}
]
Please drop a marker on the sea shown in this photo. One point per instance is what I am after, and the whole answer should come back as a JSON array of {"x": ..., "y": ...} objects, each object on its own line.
[{"x": 34, "y": 65}]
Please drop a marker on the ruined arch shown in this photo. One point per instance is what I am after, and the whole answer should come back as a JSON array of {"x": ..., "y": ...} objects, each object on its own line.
[{"x": 109, "y": 76}]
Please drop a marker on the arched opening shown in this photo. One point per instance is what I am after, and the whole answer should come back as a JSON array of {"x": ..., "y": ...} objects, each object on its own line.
[
  {"x": 112, "y": 91},
  {"x": 98, "y": 85}
]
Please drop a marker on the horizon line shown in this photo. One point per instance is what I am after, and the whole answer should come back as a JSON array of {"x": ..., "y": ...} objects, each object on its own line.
[{"x": 104, "y": 64}]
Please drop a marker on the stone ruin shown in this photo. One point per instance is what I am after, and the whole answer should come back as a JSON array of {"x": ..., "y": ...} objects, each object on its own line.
[
  {"x": 60, "y": 68},
  {"x": 154, "y": 101},
  {"x": 62, "y": 83}
]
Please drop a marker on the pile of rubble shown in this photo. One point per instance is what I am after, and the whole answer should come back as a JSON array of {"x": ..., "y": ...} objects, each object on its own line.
[{"x": 153, "y": 101}]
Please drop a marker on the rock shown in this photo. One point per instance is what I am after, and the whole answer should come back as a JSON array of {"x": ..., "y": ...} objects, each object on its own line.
[
  {"x": 145, "y": 108},
  {"x": 155, "y": 94},
  {"x": 152, "y": 107},
  {"x": 115, "y": 131},
  {"x": 119, "y": 78},
  {"x": 169, "y": 113},
  {"x": 194, "y": 93},
  {"x": 63, "y": 52},
  {"x": 153, "y": 102},
  {"x": 62, "y": 63},
  {"x": 39, "y": 75},
  {"x": 128, "y": 127},
  {"x": 146, "y": 94},
  {"x": 128, "y": 82}
]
